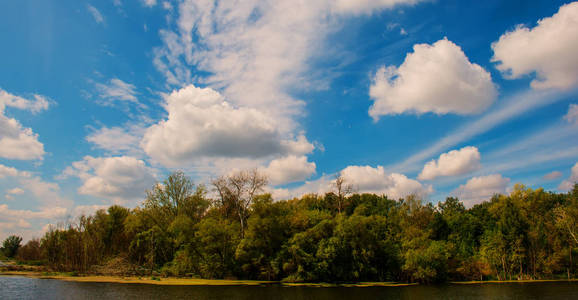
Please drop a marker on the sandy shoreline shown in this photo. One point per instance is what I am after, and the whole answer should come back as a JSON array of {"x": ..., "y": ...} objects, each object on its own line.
[
  {"x": 225, "y": 282},
  {"x": 189, "y": 281}
]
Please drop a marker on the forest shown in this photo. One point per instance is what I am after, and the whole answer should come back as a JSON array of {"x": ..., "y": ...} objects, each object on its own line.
[{"x": 241, "y": 233}]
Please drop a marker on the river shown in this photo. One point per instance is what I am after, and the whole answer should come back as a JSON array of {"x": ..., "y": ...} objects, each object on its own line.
[{"x": 15, "y": 287}]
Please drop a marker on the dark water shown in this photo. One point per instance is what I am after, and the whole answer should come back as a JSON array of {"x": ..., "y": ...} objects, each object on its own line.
[{"x": 32, "y": 288}]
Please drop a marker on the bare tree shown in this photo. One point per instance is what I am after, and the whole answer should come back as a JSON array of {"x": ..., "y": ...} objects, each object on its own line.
[
  {"x": 237, "y": 192},
  {"x": 567, "y": 221},
  {"x": 225, "y": 201},
  {"x": 342, "y": 189}
]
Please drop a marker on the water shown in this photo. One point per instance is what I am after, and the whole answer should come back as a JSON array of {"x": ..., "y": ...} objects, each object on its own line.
[{"x": 32, "y": 288}]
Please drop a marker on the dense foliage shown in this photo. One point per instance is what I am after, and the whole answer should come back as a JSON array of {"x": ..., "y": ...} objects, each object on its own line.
[
  {"x": 178, "y": 231},
  {"x": 11, "y": 245}
]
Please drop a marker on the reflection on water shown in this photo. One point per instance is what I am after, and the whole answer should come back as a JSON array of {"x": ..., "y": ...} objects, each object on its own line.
[{"x": 32, "y": 288}]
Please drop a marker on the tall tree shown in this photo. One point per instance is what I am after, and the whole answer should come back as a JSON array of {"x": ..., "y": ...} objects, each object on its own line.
[
  {"x": 240, "y": 189},
  {"x": 342, "y": 189},
  {"x": 176, "y": 195}
]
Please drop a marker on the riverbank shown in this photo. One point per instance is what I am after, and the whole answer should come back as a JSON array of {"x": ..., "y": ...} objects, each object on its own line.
[
  {"x": 225, "y": 282},
  {"x": 188, "y": 281},
  {"x": 514, "y": 281}
]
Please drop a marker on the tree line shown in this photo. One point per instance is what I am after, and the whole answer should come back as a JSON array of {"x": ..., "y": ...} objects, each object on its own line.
[{"x": 337, "y": 237}]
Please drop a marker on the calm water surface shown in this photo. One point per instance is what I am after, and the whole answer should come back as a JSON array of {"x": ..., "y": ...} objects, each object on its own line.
[{"x": 32, "y": 288}]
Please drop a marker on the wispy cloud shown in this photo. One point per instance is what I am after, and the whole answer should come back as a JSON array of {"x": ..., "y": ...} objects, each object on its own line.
[
  {"x": 95, "y": 14},
  {"x": 552, "y": 146},
  {"x": 116, "y": 90},
  {"x": 149, "y": 3},
  {"x": 572, "y": 115},
  {"x": 513, "y": 107}
]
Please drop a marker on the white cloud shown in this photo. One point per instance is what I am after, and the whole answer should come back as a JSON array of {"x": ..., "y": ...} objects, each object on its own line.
[
  {"x": 116, "y": 90},
  {"x": 201, "y": 124},
  {"x": 25, "y": 222},
  {"x": 167, "y": 5},
  {"x": 455, "y": 162},
  {"x": 299, "y": 145},
  {"x": 95, "y": 14},
  {"x": 117, "y": 3},
  {"x": 121, "y": 178},
  {"x": 572, "y": 115},
  {"x": 117, "y": 139},
  {"x": 6, "y": 171},
  {"x": 37, "y": 105},
  {"x": 19, "y": 220},
  {"x": 14, "y": 191},
  {"x": 35, "y": 192},
  {"x": 480, "y": 189},
  {"x": 256, "y": 54},
  {"x": 22, "y": 227},
  {"x": 367, "y": 6},
  {"x": 149, "y": 3},
  {"x": 289, "y": 169},
  {"x": 568, "y": 184},
  {"x": 364, "y": 179},
  {"x": 549, "y": 50},
  {"x": 16, "y": 141},
  {"x": 47, "y": 213},
  {"x": 321, "y": 185},
  {"x": 47, "y": 193},
  {"x": 255, "y": 49},
  {"x": 552, "y": 175},
  {"x": 436, "y": 78},
  {"x": 19, "y": 224}
]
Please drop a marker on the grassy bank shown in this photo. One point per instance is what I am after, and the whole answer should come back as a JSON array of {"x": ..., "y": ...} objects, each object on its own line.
[
  {"x": 224, "y": 282},
  {"x": 186, "y": 281},
  {"x": 141, "y": 280}
]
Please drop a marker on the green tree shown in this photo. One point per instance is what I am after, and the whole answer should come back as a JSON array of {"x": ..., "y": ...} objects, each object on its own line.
[
  {"x": 11, "y": 245},
  {"x": 267, "y": 230},
  {"x": 217, "y": 239},
  {"x": 176, "y": 195}
]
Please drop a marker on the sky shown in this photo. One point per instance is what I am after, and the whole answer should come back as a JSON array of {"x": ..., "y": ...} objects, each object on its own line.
[{"x": 101, "y": 99}]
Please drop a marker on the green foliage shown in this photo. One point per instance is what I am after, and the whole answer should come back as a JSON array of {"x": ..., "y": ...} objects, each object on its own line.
[
  {"x": 426, "y": 261},
  {"x": 267, "y": 229},
  {"x": 177, "y": 195},
  {"x": 11, "y": 245},
  {"x": 216, "y": 239},
  {"x": 529, "y": 234}
]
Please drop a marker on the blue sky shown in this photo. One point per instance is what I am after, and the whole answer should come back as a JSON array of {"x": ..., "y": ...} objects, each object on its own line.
[{"x": 100, "y": 99}]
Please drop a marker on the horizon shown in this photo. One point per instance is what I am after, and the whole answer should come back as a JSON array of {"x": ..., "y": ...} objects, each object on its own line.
[{"x": 99, "y": 100}]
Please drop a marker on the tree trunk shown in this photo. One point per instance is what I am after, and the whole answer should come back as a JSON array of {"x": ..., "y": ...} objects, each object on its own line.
[{"x": 241, "y": 218}]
